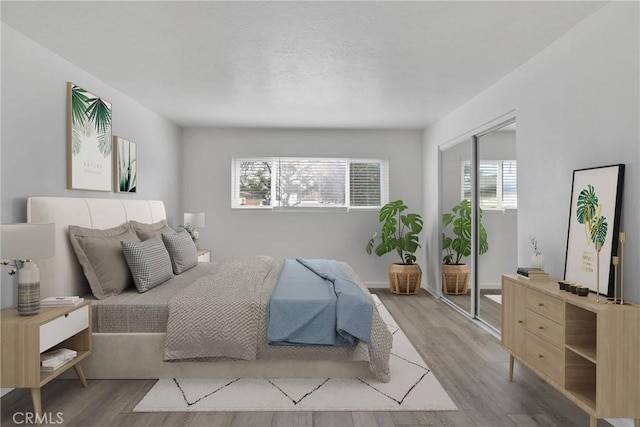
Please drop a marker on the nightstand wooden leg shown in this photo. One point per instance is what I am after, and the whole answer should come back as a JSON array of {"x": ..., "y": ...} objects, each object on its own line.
[
  {"x": 593, "y": 421},
  {"x": 37, "y": 404},
  {"x": 80, "y": 374},
  {"x": 636, "y": 422},
  {"x": 511, "y": 359}
]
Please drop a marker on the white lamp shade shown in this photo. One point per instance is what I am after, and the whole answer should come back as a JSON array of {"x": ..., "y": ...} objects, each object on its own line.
[
  {"x": 194, "y": 219},
  {"x": 27, "y": 241}
]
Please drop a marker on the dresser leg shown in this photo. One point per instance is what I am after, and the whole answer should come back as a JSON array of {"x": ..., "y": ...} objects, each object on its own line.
[
  {"x": 593, "y": 421},
  {"x": 636, "y": 422},
  {"x": 511, "y": 359},
  {"x": 80, "y": 374},
  {"x": 37, "y": 404}
]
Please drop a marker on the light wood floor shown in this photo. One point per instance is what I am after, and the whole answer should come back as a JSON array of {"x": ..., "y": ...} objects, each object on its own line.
[{"x": 468, "y": 361}]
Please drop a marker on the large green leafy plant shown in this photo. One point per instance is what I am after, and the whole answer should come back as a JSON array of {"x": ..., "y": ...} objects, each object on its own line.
[
  {"x": 399, "y": 232},
  {"x": 459, "y": 245}
]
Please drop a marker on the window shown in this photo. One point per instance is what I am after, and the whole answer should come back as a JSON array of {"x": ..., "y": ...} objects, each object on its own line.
[
  {"x": 498, "y": 188},
  {"x": 295, "y": 182}
]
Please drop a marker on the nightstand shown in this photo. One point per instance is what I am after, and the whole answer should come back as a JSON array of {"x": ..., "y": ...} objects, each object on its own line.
[
  {"x": 25, "y": 337},
  {"x": 204, "y": 255}
]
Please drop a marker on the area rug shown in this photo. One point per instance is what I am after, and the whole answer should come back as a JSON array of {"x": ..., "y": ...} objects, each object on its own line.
[
  {"x": 413, "y": 387},
  {"x": 496, "y": 298}
]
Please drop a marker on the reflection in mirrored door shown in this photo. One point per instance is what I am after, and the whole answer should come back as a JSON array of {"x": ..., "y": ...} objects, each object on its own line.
[
  {"x": 498, "y": 201},
  {"x": 457, "y": 267}
]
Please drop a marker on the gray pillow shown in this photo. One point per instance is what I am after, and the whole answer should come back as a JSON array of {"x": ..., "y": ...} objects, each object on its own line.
[
  {"x": 100, "y": 255},
  {"x": 149, "y": 262},
  {"x": 182, "y": 250},
  {"x": 146, "y": 231}
]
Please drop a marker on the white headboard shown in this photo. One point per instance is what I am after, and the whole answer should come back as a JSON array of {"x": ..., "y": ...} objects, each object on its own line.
[{"x": 62, "y": 274}]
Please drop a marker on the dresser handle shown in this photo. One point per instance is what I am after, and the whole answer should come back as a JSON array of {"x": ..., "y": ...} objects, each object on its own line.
[
  {"x": 540, "y": 304},
  {"x": 520, "y": 321},
  {"x": 541, "y": 356},
  {"x": 540, "y": 327}
]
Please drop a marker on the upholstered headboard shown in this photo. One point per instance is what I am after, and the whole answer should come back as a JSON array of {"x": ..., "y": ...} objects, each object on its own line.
[{"x": 62, "y": 274}]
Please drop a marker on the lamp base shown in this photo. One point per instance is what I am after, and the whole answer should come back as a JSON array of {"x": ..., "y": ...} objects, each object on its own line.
[{"x": 29, "y": 289}]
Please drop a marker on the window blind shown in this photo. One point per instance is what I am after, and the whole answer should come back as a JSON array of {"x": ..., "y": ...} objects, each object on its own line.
[{"x": 300, "y": 182}]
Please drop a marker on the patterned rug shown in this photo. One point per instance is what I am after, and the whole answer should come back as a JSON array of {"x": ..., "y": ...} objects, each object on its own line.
[{"x": 413, "y": 387}]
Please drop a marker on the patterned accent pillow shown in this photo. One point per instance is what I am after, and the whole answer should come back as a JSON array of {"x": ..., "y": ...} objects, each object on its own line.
[
  {"x": 149, "y": 263},
  {"x": 182, "y": 250}
]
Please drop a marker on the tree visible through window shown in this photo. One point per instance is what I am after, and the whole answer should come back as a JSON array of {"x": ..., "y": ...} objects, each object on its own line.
[{"x": 309, "y": 182}]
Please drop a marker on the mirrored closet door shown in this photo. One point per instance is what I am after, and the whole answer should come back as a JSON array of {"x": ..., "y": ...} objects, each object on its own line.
[
  {"x": 498, "y": 203},
  {"x": 479, "y": 220},
  {"x": 457, "y": 262}
]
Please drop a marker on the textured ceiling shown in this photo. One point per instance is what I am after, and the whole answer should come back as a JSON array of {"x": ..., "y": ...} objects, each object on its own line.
[{"x": 297, "y": 64}]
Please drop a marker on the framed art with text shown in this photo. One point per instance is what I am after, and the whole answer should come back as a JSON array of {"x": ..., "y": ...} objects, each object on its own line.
[
  {"x": 594, "y": 224},
  {"x": 89, "y": 142}
]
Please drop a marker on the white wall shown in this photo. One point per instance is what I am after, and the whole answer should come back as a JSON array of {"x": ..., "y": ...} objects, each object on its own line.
[
  {"x": 577, "y": 106},
  {"x": 34, "y": 135},
  {"x": 206, "y": 187}
]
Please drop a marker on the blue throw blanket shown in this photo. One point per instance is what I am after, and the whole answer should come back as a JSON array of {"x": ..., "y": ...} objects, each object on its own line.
[{"x": 316, "y": 303}]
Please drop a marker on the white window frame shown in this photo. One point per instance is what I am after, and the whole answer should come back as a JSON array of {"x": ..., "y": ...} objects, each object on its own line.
[
  {"x": 499, "y": 194},
  {"x": 236, "y": 200}
]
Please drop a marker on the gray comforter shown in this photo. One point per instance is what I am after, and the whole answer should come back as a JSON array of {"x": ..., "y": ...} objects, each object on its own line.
[{"x": 223, "y": 314}]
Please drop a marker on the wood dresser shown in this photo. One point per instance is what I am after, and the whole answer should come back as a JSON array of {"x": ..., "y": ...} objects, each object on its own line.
[{"x": 589, "y": 351}]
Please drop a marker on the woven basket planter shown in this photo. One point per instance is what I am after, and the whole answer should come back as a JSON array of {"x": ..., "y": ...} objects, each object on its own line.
[
  {"x": 404, "y": 279},
  {"x": 455, "y": 279}
]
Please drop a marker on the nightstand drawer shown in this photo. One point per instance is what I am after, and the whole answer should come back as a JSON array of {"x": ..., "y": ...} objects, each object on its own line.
[
  {"x": 547, "y": 306},
  {"x": 63, "y": 327}
]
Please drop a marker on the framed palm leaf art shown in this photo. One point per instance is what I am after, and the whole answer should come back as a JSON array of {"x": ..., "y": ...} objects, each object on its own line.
[
  {"x": 126, "y": 165},
  {"x": 89, "y": 142},
  {"x": 594, "y": 226}
]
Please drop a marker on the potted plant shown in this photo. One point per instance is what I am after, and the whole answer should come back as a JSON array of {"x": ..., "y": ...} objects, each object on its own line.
[
  {"x": 399, "y": 233},
  {"x": 455, "y": 273}
]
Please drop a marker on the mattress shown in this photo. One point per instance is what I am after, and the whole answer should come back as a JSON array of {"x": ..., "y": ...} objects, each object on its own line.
[{"x": 132, "y": 311}]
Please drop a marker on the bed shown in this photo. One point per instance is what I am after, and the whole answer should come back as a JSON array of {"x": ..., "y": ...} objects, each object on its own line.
[{"x": 129, "y": 329}]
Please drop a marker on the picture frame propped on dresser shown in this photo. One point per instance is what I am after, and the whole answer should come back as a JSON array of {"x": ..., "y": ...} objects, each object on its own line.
[
  {"x": 125, "y": 165},
  {"x": 89, "y": 141},
  {"x": 594, "y": 225}
]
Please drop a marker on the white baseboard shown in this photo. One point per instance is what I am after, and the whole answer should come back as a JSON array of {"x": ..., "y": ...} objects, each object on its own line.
[
  {"x": 376, "y": 285},
  {"x": 492, "y": 286}
]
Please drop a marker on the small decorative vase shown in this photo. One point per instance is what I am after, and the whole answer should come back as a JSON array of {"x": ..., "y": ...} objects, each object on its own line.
[
  {"x": 29, "y": 289},
  {"x": 537, "y": 261}
]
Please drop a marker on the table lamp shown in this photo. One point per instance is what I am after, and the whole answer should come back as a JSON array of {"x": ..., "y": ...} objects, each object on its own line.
[
  {"x": 193, "y": 221},
  {"x": 22, "y": 243}
]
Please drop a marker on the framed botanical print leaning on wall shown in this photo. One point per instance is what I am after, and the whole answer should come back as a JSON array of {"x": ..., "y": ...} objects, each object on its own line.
[{"x": 594, "y": 224}]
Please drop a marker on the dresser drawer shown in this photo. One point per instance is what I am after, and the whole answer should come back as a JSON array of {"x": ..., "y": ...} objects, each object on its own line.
[
  {"x": 63, "y": 327},
  {"x": 546, "y": 357},
  {"x": 547, "y": 306},
  {"x": 544, "y": 328}
]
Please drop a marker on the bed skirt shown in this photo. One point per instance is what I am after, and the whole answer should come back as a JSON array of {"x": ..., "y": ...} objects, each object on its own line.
[{"x": 139, "y": 356}]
